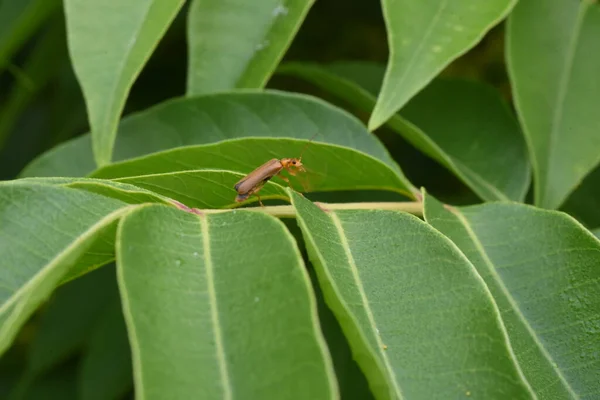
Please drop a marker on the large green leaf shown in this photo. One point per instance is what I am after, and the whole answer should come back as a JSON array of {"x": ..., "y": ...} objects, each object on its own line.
[
  {"x": 238, "y": 43},
  {"x": 19, "y": 19},
  {"x": 473, "y": 133},
  {"x": 328, "y": 167},
  {"x": 553, "y": 61},
  {"x": 45, "y": 231},
  {"x": 110, "y": 41},
  {"x": 420, "y": 321},
  {"x": 542, "y": 268},
  {"x": 214, "y": 118},
  {"x": 233, "y": 288},
  {"x": 424, "y": 37}
]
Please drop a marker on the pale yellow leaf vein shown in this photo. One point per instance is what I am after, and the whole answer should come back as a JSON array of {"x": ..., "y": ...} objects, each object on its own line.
[
  {"x": 214, "y": 312},
  {"x": 514, "y": 306},
  {"x": 363, "y": 297}
]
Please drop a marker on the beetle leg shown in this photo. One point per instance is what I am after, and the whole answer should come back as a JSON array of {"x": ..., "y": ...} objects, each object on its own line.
[
  {"x": 256, "y": 190},
  {"x": 285, "y": 179}
]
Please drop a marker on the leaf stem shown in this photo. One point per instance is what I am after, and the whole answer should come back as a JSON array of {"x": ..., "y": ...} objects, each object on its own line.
[{"x": 288, "y": 211}]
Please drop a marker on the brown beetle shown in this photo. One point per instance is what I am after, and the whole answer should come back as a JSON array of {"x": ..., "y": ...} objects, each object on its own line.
[{"x": 255, "y": 180}]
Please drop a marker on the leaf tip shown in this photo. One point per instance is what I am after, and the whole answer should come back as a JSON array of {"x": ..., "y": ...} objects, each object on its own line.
[{"x": 375, "y": 121}]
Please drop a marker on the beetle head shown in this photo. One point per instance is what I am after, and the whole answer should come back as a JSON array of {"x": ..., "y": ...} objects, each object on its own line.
[{"x": 292, "y": 163}]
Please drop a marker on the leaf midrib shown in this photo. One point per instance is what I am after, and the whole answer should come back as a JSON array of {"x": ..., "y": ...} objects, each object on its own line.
[
  {"x": 71, "y": 246},
  {"x": 109, "y": 122},
  {"x": 214, "y": 312},
  {"x": 514, "y": 305},
  {"x": 417, "y": 54},
  {"x": 562, "y": 90},
  {"x": 367, "y": 308}
]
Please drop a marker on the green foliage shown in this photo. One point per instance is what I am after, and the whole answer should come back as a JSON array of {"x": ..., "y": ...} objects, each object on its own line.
[
  {"x": 480, "y": 120},
  {"x": 168, "y": 260},
  {"x": 558, "y": 108},
  {"x": 237, "y": 44},
  {"x": 128, "y": 269},
  {"x": 423, "y": 39},
  {"x": 122, "y": 35},
  {"x": 549, "y": 308}
]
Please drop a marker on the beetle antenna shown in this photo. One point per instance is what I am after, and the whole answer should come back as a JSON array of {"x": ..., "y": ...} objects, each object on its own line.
[{"x": 306, "y": 145}]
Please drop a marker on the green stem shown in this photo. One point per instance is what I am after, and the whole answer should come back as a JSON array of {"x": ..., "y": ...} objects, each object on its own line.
[{"x": 286, "y": 211}]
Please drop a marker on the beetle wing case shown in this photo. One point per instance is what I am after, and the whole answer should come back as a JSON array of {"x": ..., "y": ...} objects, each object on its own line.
[{"x": 258, "y": 176}]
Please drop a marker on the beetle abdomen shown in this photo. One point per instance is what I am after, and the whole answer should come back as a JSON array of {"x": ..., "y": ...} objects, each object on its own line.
[
  {"x": 241, "y": 197},
  {"x": 258, "y": 176}
]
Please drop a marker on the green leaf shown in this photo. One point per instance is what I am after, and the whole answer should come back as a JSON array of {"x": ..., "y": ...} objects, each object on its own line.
[
  {"x": 583, "y": 202},
  {"x": 553, "y": 63},
  {"x": 424, "y": 37},
  {"x": 542, "y": 269},
  {"x": 127, "y": 193},
  {"x": 69, "y": 318},
  {"x": 214, "y": 118},
  {"x": 420, "y": 321},
  {"x": 210, "y": 189},
  {"x": 596, "y": 232},
  {"x": 473, "y": 133},
  {"x": 106, "y": 371},
  {"x": 234, "y": 288},
  {"x": 238, "y": 44},
  {"x": 46, "y": 231},
  {"x": 110, "y": 41},
  {"x": 19, "y": 19},
  {"x": 328, "y": 168}
]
